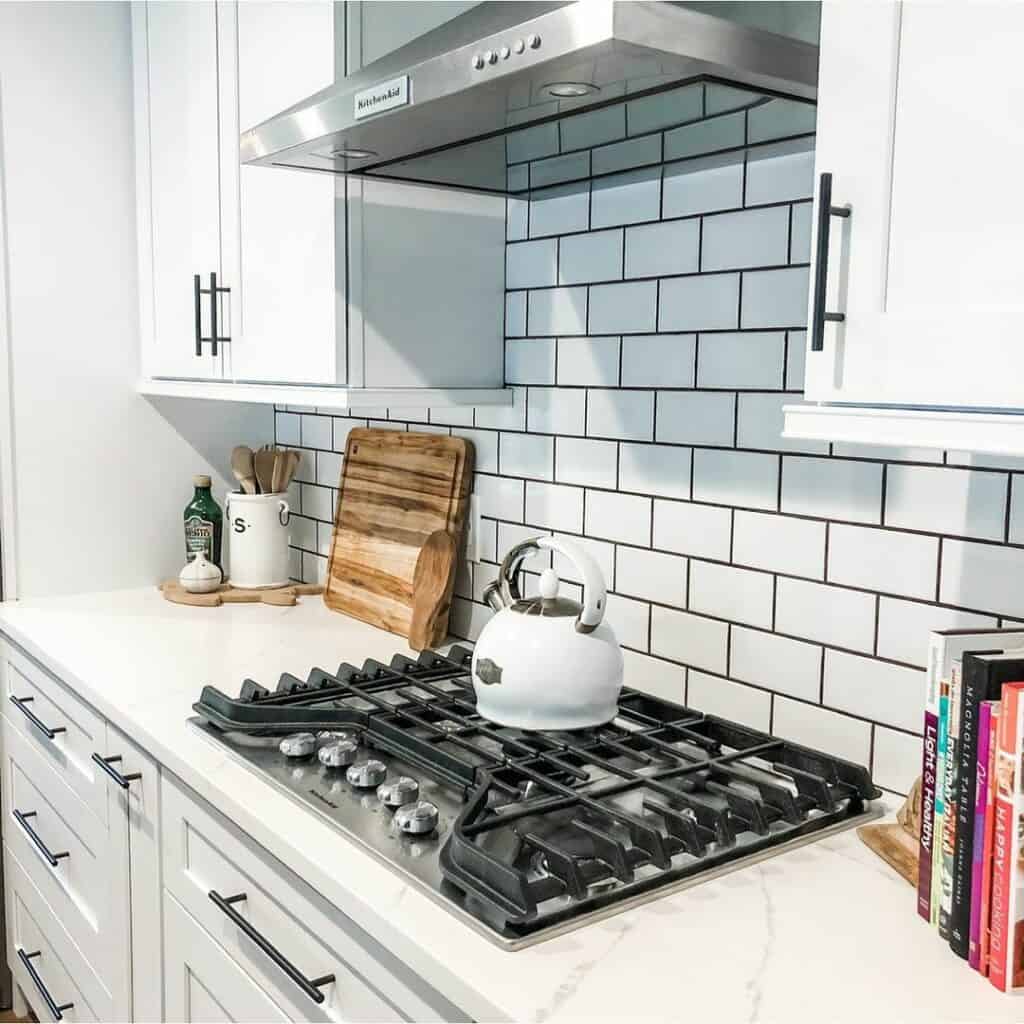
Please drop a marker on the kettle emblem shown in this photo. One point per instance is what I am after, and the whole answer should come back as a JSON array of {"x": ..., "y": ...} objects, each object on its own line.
[{"x": 488, "y": 671}]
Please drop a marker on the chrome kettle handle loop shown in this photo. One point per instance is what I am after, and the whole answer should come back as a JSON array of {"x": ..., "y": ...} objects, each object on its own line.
[{"x": 508, "y": 574}]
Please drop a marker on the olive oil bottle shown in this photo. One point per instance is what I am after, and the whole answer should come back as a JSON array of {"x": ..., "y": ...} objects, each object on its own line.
[{"x": 203, "y": 523}]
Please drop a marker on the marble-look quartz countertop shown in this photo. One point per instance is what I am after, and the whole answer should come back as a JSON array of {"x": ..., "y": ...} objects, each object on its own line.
[{"x": 826, "y": 932}]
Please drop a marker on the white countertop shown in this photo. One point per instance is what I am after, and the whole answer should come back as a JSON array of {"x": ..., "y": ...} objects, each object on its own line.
[{"x": 825, "y": 932}]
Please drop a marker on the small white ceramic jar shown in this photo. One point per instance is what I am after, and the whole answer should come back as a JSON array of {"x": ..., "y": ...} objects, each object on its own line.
[{"x": 257, "y": 528}]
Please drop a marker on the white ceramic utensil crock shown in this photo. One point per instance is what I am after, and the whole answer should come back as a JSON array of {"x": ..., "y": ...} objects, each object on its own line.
[
  {"x": 547, "y": 662},
  {"x": 258, "y": 546}
]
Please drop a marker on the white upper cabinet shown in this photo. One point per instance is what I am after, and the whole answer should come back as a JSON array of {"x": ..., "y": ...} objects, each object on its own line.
[
  {"x": 917, "y": 108},
  {"x": 175, "y": 49}
]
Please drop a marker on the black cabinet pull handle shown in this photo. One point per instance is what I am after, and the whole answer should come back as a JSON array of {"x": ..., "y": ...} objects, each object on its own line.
[
  {"x": 197, "y": 299},
  {"x": 55, "y": 1011},
  {"x": 106, "y": 764},
  {"x": 50, "y": 734},
  {"x": 310, "y": 986},
  {"x": 213, "y": 314},
  {"x": 22, "y": 819},
  {"x": 826, "y": 211}
]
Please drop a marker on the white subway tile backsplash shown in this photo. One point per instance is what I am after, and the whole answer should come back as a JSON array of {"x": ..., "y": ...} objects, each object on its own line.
[
  {"x": 818, "y": 727},
  {"x": 759, "y": 424},
  {"x": 883, "y": 560},
  {"x": 885, "y": 693},
  {"x": 832, "y": 489},
  {"x": 664, "y": 108},
  {"x": 627, "y": 415},
  {"x": 531, "y": 264},
  {"x": 315, "y": 431},
  {"x": 601, "y": 551},
  {"x": 493, "y": 417},
  {"x": 783, "y": 665},
  {"x": 517, "y": 219},
  {"x": 748, "y": 238},
  {"x": 829, "y": 615},
  {"x": 691, "y": 529},
  {"x": 702, "y": 303},
  {"x": 556, "y": 506},
  {"x": 800, "y": 233},
  {"x": 485, "y": 447},
  {"x": 532, "y": 143},
  {"x": 557, "y": 410},
  {"x": 658, "y": 360},
  {"x": 558, "y": 311},
  {"x": 690, "y": 639},
  {"x": 589, "y": 361},
  {"x": 985, "y": 577},
  {"x": 621, "y": 156},
  {"x": 654, "y": 676},
  {"x": 556, "y": 169},
  {"x": 730, "y": 700},
  {"x": 651, "y": 575},
  {"x": 671, "y": 247},
  {"x": 500, "y": 497},
  {"x": 286, "y": 428},
  {"x": 778, "y": 119},
  {"x": 586, "y": 462},
  {"x": 511, "y": 534},
  {"x": 530, "y": 361},
  {"x": 655, "y": 469},
  {"x": 903, "y": 627},
  {"x": 796, "y": 357},
  {"x": 619, "y": 517},
  {"x": 623, "y": 308},
  {"x": 775, "y": 298},
  {"x": 780, "y": 172},
  {"x": 626, "y": 198},
  {"x": 318, "y": 502},
  {"x": 696, "y": 417},
  {"x": 779, "y": 543},
  {"x": 744, "y": 479},
  {"x": 630, "y": 620},
  {"x": 527, "y": 455},
  {"x": 958, "y": 502},
  {"x": 595, "y": 256},
  {"x": 897, "y": 760},
  {"x": 739, "y": 595},
  {"x": 753, "y": 359},
  {"x": 703, "y": 185},
  {"x": 708, "y": 136},
  {"x": 515, "y": 314},
  {"x": 593, "y": 128},
  {"x": 719, "y": 98},
  {"x": 555, "y": 211}
]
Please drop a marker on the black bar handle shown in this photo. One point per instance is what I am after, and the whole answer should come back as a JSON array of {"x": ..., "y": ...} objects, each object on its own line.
[
  {"x": 310, "y": 986},
  {"x": 199, "y": 315},
  {"x": 22, "y": 819},
  {"x": 106, "y": 762},
  {"x": 213, "y": 313},
  {"x": 55, "y": 1011},
  {"x": 50, "y": 734},
  {"x": 826, "y": 211}
]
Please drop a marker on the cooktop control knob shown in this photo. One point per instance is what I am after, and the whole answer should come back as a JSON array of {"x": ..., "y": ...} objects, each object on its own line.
[
  {"x": 399, "y": 792},
  {"x": 491, "y": 57},
  {"x": 533, "y": 42},
  {"x": 299, "y": 744},
  {"x": 338, "y": 753},
  {"x": 367, "y": 774},
  {"x": 417, "y": 819},
  {"x": 478, "y": 61},
  {"x": 329, "y": 735}
]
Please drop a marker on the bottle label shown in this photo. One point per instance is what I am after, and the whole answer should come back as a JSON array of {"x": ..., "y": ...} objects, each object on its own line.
[{"x": 198, "y": 537}]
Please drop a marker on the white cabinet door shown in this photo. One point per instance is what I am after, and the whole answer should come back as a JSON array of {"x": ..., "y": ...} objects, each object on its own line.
[
  {"x": 279, "y": 225},
  {"x": 918, "y": 122},
  {"x": 175, "y": 54}
]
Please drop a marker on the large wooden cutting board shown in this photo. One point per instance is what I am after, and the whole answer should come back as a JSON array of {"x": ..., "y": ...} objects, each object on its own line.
[{"x": 396, "y": 489}]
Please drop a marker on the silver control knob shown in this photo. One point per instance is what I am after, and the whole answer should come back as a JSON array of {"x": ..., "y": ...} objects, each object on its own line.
[
  {"x": 491, "y": 57},
  {"x": 299, "y": 744},
  {"x": 505, "y": 53},
  {"x": 519, "y": 46},
  {"x": 478, "y": 61},
  {"x": 329, "y": 735},
  {"x": 533, "y": 42},
  {"x": 416, "y": 819},
  {"x": 338, "y": 754},
  {"x": 398, "y": 792},
  {"x": 367, "y": 774}
]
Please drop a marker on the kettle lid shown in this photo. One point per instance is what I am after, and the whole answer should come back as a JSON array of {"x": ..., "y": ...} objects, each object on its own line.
[{"x": 548, "y": 603}]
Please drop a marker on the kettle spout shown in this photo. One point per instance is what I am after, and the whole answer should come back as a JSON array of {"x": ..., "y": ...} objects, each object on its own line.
[{"x": 493, "y": 596}]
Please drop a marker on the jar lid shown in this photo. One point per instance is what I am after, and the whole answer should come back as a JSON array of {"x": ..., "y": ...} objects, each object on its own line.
[{"x": 201, "y": 480}]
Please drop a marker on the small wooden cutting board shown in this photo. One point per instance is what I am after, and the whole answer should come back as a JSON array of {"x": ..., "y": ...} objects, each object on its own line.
[
  {"x": 396, "y": 489},
  {"x": 174, "y": 592}
]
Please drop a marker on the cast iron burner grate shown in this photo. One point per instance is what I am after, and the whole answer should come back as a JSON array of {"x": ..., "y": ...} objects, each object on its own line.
[{"x": 553, "y": 825}]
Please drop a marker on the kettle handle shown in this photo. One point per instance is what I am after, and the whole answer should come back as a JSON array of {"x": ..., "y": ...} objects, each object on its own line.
[{"x": 594, "y": 590}]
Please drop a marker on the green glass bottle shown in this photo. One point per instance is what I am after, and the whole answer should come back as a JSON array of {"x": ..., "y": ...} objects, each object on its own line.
[{"x": 203, "y": 523}]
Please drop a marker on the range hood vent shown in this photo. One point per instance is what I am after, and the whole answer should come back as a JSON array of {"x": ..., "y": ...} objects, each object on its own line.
[{"x": 449, "y": 108}]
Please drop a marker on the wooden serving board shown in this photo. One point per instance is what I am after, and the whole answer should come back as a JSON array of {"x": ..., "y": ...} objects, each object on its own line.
[
  {"x": 396, "y": 489},
  {"x": 174, "y": 592}
]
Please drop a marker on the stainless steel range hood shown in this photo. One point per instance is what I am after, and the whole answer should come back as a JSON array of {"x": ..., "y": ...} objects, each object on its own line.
[{"x": 439, "y": 110}]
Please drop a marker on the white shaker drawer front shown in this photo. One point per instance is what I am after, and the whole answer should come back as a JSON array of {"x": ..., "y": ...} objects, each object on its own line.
[
  {"x": 66, "y": 731},
  {"x": 46, "y": 965},
  {"x": 314, "y": 961},
  {"x": 79, "y": 866},
  {"x": 201, "y": 982}
]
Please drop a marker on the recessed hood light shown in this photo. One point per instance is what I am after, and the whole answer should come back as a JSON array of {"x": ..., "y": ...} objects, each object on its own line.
[
  {"x": 569, "y": 90},
  {"x": 353, "y": 154}
]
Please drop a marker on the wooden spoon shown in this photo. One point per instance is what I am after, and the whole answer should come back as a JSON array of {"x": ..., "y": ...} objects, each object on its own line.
[
  {"x": 280, "y": 464},
  {"x": 264, "y": 462},
  {"x": 242, "y": 467},
  {"x": 431, "y": 593}
]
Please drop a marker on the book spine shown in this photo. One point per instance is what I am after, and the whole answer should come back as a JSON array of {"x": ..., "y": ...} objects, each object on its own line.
[
  {"x": 1015, "y": 903},
  {"x": 990, "y": 823},
  {"x": 978, "y": 838},
  {"x": 949, "y": 816},
  {"x": 928, "y": 768},
  {"x": 940, "y": 801},
  {"x": 974, "y": 681}
]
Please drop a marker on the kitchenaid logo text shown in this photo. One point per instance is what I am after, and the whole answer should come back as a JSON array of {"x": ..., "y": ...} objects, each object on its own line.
[{"x": 379, "y": 98}]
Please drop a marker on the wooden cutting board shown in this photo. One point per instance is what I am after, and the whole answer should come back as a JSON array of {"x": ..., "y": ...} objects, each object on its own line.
[{"x": 396, "y": 489}]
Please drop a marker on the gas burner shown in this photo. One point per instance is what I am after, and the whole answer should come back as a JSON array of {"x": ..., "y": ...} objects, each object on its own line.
[{"x": 527, "y": 834}]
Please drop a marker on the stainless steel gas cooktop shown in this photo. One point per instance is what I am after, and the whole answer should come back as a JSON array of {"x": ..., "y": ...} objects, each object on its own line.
[{"x": 526, "y": 834}]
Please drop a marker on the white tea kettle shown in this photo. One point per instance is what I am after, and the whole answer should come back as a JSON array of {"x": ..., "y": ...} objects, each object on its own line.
[{"x": 547, "y": 662}]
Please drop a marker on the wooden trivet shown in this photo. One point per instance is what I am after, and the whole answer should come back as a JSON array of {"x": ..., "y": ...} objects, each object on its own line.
[
  {"x": 226, "y": 594},
  {"x": 897, "y": 844}
]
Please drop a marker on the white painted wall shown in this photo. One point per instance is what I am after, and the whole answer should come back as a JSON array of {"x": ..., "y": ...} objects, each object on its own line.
[{"x": 93, "y": 477}]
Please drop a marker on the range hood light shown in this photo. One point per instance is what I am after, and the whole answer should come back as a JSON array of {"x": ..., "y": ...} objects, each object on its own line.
[
  {"x": 353, "y": 154},
  {"x": 569, "y": 90}
]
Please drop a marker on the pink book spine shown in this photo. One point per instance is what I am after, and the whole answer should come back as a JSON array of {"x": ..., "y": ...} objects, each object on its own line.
[
  {"x": 990, "y": 830},
  {"x": 978, "y": 838}
]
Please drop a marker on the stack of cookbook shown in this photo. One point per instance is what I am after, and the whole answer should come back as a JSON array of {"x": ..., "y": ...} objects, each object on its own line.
[{"x": 971, "y": 864}]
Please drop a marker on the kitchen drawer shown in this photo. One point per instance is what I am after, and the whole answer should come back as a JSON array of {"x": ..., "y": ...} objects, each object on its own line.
[
  {"x": 77, "y": 863},
  {"x": 59, "y": 972},
  {"x": 206, "y": 857},
  {"x": 201, "y": 982},
  {"x": 65, "y": 730}
]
